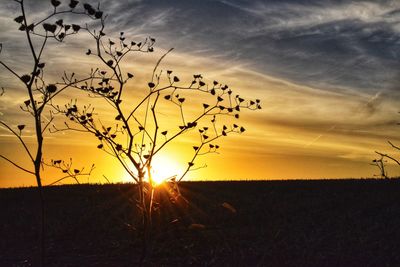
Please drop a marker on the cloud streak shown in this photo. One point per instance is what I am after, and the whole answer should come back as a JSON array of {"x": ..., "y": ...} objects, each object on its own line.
[{"x": 327, "y": 72}]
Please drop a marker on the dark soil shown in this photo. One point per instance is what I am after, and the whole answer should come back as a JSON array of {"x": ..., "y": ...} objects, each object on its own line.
[{"x": 276, "y": 223}]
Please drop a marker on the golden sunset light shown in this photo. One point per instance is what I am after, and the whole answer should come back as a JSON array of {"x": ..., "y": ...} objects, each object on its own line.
[
  {"x": 199, "y": 133},
  {"x": 323, "y": 127}
]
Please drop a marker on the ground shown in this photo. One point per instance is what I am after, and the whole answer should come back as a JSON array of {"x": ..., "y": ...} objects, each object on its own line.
[{"x": 271, "y": 223}]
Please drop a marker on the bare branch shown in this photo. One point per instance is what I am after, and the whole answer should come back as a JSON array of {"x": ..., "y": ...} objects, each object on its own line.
[
  {"x": 19, "y": 138},
  {"x": 396, "y": 147},
  {"x": 16, "y": 165},
  {"x": 387, "y": 156}
]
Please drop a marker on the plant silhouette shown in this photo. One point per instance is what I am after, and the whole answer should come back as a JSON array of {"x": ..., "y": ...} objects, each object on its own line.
[
  {"x": 380, "y": 163},
  {"x": 40, "y": 92},
  {"x": 136, "y": 132}
]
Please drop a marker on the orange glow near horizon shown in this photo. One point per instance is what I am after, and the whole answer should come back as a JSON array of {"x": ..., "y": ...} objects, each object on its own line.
[
  {"x": 163, "y": 169},
  {"x": 305, "y": 130}
]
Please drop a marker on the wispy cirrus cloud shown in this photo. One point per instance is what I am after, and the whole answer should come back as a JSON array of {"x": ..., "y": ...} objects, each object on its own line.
[{"x": 327, "y": 72}]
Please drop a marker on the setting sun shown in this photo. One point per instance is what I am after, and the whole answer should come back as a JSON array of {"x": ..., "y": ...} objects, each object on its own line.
[{"x": 164, "y": 168}]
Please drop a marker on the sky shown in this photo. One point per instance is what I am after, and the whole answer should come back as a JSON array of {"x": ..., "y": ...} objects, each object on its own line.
[{"x": 327, "y": 73}]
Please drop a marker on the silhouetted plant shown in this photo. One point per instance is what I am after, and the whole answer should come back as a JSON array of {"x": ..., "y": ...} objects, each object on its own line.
[
  {"x": 380, "y": 162},
  {"x": 40, "y": 92},
  {"x": 136, "y": 137}
]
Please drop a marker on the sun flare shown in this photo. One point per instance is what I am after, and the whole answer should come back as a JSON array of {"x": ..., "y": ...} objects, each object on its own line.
[{"x": 164, "y": 168}]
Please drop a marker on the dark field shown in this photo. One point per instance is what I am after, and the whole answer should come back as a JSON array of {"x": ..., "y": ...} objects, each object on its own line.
[{"x": 277, "y": 223}]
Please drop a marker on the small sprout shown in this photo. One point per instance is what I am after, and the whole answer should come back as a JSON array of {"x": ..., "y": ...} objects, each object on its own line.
[
  {"x": 60, "y": 22},
  {"x": 87, "y": 6},
  {"x": 169, "y": 72},
  {"x": 98, "y": 14},
  {"x": 164, "y": 132},
  {"x": 201, "y": 83},
  {"x": 190, "y": 164},
  {"x": 217, "y": 146},
  {"x": 19, "y": 19},
  {"x": 167, "y": 97},
  {"x": 49, "y": 27},
  {"x": 211, "y": 145},
  {"x": 146, "y": 156},
  {"x": 41, "y": 65},
  {"x": 242, "y": 129},
  {"x": 141, "y": 128},
  {"x": 240, "y": 99},
  {"x": 118, "y": 117},
  {"x": 130, "y": 75},
  {"x": 110, "y": 63},
  {"x": 192, "y": 124},
  {"x": 205, "y": 137},
  {"x": 51, "y": 88},
  {"x": 212, "y": 91},
  {"x": 25, "y": 78},
  {"x": 76, "y": 171},
  {"x": 205, "y": 106},
  {"x": 113, "y": 136},
  {"x": 100, "y": 146},
  {"x": 215, "y": 83},
  {"x": 195, "y": 148},
  {"x": 89, "y": 9},
  {"x": 176, "y": 79},
  {"x": 219, "y": 99},
  {"x": 181, "y": 100},
  {"x": 27, "y": 102},
  {"x": 237, "y": 116},
  {"x": 88, "y": 52},
  {"x": 21, "y": 127},
  {"x": 75, "y": 27},
  {"x": 151, "y": 85},
  {"x": 30, "y": 27},
  {"x": 55, "y": 3},
  {"x": 73, "y": 3},
  {"x": 223, "y": 133},
  {"x": 118, "y": 147}
]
